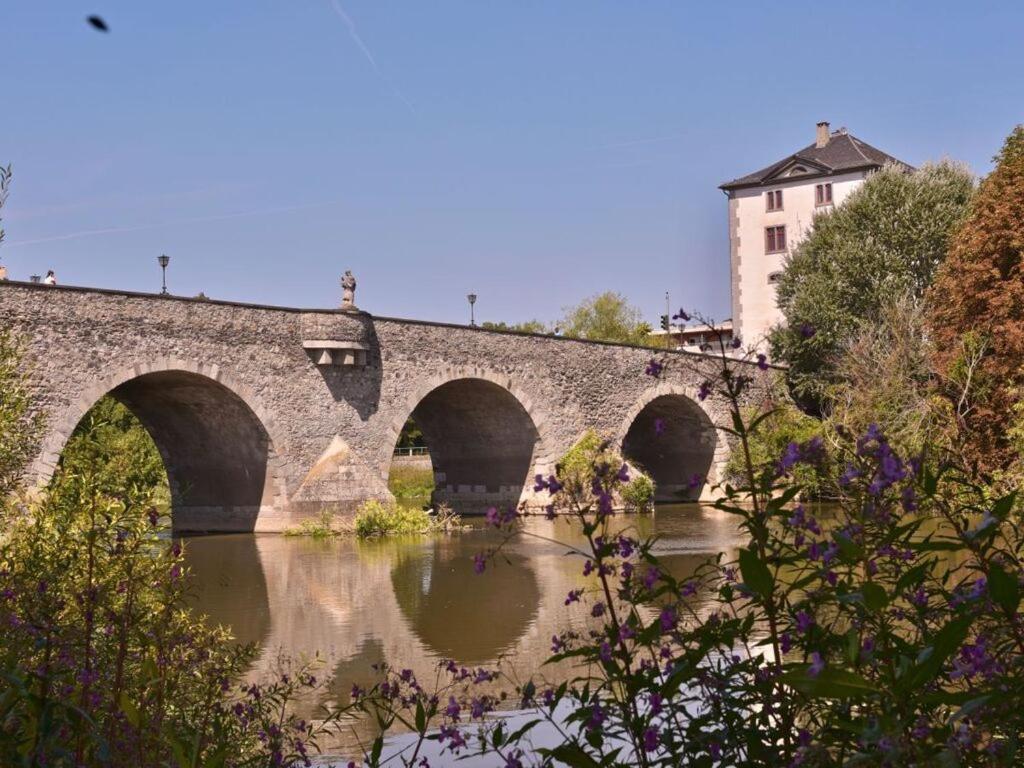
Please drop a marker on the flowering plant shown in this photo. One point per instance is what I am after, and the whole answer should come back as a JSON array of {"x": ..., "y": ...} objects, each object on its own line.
[{"x": 884, "y": 630}]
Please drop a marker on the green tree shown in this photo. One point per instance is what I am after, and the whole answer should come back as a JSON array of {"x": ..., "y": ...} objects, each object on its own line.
[
  {"x": 112, "y": 446},
  {"x": 885, "y": 241},
  {"x": 529, "y": 326},
  {"x": 976, "y": 311},
  {"x": 605, "y": 317}
]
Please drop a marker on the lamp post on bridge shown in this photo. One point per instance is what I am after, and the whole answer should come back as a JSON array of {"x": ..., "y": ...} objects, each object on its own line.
[
  {"x": 472, "y": 300},
  {"x": 163, "y": 260}
]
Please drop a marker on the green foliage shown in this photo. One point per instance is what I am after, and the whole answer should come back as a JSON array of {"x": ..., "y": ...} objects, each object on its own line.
[
  {"x": 885, "y": 241},
  {"x": 576, "y": 467},
  {"x": 605, "y": 317},
  {"x": 379, "y": 518},
  {"x": 410, "y": 483},
  {"x": 102, "y": 663},
  {"x": 20, "y": 427},
  {"x": 529, "y": 326},
  {"x": 638, "y": 494},
  {"x": 115, "y": 451},
  {"x": 411, "y": 435},
  {"x": 784, "y": 425}
]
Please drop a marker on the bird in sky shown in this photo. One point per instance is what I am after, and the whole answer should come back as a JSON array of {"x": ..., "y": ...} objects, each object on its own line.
[{"x": 98, "y": 23}]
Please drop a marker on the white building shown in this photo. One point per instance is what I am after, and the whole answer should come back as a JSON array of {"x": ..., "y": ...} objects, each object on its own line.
[{"x": 772, "y": 209}]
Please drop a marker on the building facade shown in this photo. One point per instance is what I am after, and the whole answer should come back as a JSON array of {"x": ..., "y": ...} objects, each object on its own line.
[{"x": 772, "y": 209}]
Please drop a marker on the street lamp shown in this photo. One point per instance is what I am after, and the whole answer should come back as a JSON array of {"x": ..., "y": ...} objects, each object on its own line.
[
  {"x": 163, "y": 261},
  {"x": 472, "y": 301}
]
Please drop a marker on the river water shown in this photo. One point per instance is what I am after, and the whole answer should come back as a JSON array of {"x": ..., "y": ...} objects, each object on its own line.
[{"x": 411, "y": 602}]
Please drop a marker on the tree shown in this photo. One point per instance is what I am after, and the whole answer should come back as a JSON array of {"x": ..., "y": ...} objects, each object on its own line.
[
  {"x": 976, "y": 310},
  {"x": 885, "y": 241},
  {"x": 530, "y": 326},
  {"x": 5, "y": 187},
  {"x": 605, "y": 317}
]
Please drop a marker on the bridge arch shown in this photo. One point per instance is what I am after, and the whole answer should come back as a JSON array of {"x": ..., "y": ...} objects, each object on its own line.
[
  {"x": 670, "y": 436},
  {"x": 485, "y": 436},
  {"x": 215, "y": 439}
]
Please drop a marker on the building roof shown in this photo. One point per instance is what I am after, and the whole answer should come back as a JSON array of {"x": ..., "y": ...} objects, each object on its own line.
[{"x": 841, "y": 153}]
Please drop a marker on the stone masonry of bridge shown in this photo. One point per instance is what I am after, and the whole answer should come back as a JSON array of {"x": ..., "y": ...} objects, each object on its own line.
[{"x": 267, "y": 415}]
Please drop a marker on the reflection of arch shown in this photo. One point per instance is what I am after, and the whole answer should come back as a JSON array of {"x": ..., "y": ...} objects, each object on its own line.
[
  {"x": 671, "y": 437},
  {"x": 214, "y": 438},
  {"x": 471, "y": 626},
  {"x": 484, "y": 436}
]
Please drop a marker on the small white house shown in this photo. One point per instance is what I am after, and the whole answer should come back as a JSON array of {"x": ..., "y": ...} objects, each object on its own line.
[{"x": 772, "y": 209}]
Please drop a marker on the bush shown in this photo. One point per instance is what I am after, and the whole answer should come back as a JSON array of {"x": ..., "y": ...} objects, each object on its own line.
[
  {"x": 104, "y": 664},
  {"x": 379, "y": 518},
  {"x": 638, "y": 494}
]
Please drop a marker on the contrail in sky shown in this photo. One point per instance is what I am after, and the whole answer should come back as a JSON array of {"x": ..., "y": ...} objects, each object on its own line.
[
  {"x": 142, "y": 227},
  {"x": 354, "y": 34}
]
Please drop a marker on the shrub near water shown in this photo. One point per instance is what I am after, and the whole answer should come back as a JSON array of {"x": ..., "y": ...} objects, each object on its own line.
[{"x": 379, "y": 518}]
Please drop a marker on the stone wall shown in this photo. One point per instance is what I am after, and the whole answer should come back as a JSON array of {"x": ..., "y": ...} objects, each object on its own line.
[{"x": 233, "y": 398}]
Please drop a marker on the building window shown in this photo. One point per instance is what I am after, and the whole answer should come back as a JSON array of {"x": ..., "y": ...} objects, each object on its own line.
[
  {"x": 774, "y": 239},
  {"x": 823, "y": 194},
  {"x": 773, "y": 201},
  {"x": 774, "y": 277}
]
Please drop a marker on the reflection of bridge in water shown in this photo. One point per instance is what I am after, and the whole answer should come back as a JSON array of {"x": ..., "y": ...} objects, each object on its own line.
[
  {"x": 264, "y": 415},
  {"x": 413, "y": 602}
]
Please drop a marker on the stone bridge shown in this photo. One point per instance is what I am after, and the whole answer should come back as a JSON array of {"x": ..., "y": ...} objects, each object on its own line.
[{"x": 266, "y": 415}]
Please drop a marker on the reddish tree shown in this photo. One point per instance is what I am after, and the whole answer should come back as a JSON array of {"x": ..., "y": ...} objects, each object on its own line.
[{"x": 976, "y": 311}]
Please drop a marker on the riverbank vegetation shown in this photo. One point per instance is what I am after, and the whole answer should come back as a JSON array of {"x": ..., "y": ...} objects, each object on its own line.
[{"x": 380, "y": 518}]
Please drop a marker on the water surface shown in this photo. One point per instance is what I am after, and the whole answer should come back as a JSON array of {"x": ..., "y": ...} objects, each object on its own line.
[{"x": 412, "y": 602}]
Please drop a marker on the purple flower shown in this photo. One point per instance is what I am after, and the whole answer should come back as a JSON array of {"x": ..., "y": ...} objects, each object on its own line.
[
  {"x": 659, "y": 426},
  {"x": 704, "y": 391},
  {"x": 623, "y": 474},
  {"x": 651, "y": 576},
  {"x": 654, "y": 368},
  {"x": 807, "y": 330},
  {"x": 553, "y": 485},
  {"x": 549, "y": 511},
  {"x": 715, "y": 750},
  {"x": 762, "y": 361},
  {"x": 804, "y": 622},
  {"x": 605, "y": 652},
  {"x": 453, "y": 709},
  {"x": 817, "y": 665},
  {"x": 574, "y": 595},
  {"x": 736, "y": 342},
  {"x": 668, "y": 619},
  {"x": 785, "y": 642},
  {"x": 539, "y": 483},
  {"x": 479, "y": 562},
  {"x": 596, "y": 719},
  {"x": 656, "y": 702},
  {"x": 651, "y": 739},
  {"x": 681, "y": 315},
  {"x": 597, "y": 611}
]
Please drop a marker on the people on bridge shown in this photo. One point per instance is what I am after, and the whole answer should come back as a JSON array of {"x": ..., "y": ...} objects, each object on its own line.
[{"x": 51, "y": 278}]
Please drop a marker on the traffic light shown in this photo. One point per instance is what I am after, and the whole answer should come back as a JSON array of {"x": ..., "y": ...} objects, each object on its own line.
[{"x": 664, "y": 322}]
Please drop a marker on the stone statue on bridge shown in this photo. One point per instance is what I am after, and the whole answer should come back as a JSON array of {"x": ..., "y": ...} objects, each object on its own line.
[{"x": 348, "y": 288}]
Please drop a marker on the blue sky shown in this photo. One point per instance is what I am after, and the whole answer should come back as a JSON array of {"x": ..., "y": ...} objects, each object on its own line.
[{"x": 533, "y": 152}]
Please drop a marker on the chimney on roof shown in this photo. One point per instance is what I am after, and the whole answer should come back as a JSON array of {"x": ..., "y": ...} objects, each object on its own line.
[{"x": 822, "y": 137}]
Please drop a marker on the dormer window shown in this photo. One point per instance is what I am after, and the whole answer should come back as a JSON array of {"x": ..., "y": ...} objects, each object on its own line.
[
  {"x": 823, "y": 194},
  {"x": 773, "y": 200}
]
